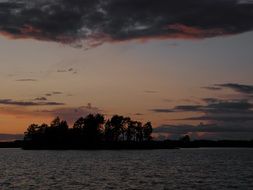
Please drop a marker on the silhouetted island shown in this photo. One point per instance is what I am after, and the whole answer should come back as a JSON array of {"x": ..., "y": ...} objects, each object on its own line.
[{"x": 94, "y": 133}]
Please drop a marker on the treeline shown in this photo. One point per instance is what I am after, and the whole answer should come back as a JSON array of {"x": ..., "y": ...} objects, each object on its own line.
[{"x": 89, "y": 131}]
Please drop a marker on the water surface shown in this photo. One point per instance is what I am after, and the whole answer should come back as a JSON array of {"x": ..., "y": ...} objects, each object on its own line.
[{"x": 216, "y": 168}]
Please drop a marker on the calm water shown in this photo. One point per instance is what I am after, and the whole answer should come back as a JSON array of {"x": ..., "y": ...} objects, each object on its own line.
[{"x": 151, "y": 169}]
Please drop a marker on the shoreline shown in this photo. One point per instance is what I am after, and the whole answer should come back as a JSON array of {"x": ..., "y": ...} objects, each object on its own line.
[{"x": 152, "y": 145}]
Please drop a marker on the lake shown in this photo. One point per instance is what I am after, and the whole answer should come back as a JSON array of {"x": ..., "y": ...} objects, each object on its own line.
[{"x": 204, "y": 168}]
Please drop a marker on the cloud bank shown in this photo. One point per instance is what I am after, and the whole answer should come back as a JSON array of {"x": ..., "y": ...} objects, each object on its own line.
[
  {"x": 219, "y": 118},
  {"x": 207, "y": 131},
  {"x": 94, "y": 22}
]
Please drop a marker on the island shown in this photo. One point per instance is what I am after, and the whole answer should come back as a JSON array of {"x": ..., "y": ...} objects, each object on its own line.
[{"x": 94, "y": 132}]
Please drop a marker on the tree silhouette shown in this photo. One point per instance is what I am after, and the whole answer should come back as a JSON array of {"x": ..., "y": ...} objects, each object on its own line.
[
  {"x": 93, "y": 127},
  {"x": 108, "y": 131},
  {"x": 117, "y": 124},
  {"x": 185, "y": 139},
  {"x": 78, "y": 132},
  {"x": 147, "y": 131},
  {"x": 88, "y": 131},
  {"x": 57, "y": 131},
  {"x": 33, "y": 132},
  {"x": 79, "y": 124},
  {"x": 130, "y": 133}
]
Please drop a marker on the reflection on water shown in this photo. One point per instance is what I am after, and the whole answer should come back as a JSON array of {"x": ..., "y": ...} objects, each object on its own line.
[{"x": 149, "y": 169}]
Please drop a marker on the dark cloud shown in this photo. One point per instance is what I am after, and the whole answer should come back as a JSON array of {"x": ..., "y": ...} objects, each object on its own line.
[
  {"x": 180, "y": 108},
  {"x": 70, "y": 70},
  {"x": 99, "y": 21},
  {"x": 228, "y": 106},
  {"x": 216, "y": 110},
  {"x": 222, "y": 118},
  {"x": 209, "y": 128},
  {"x": 161, "y": 110},
  {"x": 191, "y": 108},
  {"x": 28, "y": 103},
  {"x": 41, "y": 99},
  {"x": 53, "y": 93},
  {"x": 27, "y": 80},
  {"x": 213, "y": 105},
  {"x": 242, "y": 88}
]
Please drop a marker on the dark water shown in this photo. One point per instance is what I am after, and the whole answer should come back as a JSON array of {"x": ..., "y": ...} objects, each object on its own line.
[{"x": 149, "y": 169}]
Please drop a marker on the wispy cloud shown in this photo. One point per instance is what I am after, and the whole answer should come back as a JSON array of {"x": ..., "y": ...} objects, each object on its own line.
[
  {"x": 28, "y": 103},
  {"x": 162, "y": 110},
  {"x": 151, "y": 91},
  {"x": 180, "y": 108},
  {"x": 41, "y": 99},
  {"x": 70, "y": 70},
  {"x": 241, "y": 88},
  {"x": 97, "y": 21},
  {"x": 27, "y": 80},
  {"x": 53, "y": 93},
  {"x": 57, "y": 93},
  {"x": 221, "y": 118}
]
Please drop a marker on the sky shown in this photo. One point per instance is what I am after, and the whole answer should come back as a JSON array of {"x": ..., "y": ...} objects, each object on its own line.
[{"x": 184, "y": 65}]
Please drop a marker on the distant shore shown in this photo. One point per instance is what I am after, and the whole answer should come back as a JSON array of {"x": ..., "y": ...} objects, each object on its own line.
[
  {"x": 168, "y": 144},
  {"x": 12, "y": 144}
]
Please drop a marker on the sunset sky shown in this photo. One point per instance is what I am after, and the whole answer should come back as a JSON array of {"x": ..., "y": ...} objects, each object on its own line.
[{"x": 184, "y": 65}]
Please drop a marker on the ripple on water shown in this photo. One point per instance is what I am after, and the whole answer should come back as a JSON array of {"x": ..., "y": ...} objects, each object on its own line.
[{"x": 149, "y": 169}]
